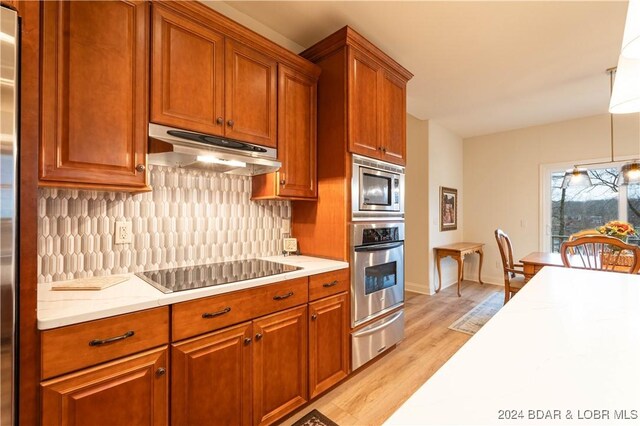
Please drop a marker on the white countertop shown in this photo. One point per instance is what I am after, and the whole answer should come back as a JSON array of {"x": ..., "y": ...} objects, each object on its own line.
[
  {"x": 60, "y": 308},
  {"x": 568, "y": 341}
]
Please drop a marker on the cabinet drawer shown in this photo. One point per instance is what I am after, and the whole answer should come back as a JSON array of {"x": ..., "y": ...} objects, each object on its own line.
[
  {"x": 73, "y": 347},
  {"x": 203, "y": 315},
  {"x": 329, "y": 283}
]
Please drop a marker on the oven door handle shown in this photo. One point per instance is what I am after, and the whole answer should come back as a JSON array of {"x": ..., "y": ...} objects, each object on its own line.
[{"x": 379, "y": 247}]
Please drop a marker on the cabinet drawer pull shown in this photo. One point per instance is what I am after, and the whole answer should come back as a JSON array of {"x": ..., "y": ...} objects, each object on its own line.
[
  {"x": 216, "y": 314},
  {"x": 98, "y": 342},
  {"x": 331, "y": 284},
  {"x": 283, "y": 296}
]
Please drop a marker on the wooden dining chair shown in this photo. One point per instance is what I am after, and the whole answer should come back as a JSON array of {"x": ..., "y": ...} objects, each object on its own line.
[
  {"x": 584, "y": 233},
  {"x": 513, "y": 273},
  {"x": 602, "y": 253}
]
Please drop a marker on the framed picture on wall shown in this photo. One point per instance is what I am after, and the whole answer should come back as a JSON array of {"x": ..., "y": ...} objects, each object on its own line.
[{"x": 448, "y": 209}]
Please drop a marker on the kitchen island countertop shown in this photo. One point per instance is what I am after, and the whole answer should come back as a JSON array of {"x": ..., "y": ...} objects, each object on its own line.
[
  {"x": 61, "y": 308},
  {"x": 567, "y": 345}
]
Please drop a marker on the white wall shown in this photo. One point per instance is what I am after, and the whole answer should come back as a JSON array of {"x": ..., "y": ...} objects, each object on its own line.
[
  {"x": 502, "y": 177},
  {"x": 254, "y": 25},
  {"x": 445, "y": 169},
  {"x": 417, "y": 252}
]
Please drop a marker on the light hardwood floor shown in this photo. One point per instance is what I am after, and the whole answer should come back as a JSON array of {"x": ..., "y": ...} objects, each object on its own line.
[{"x": 375, "y": 392}]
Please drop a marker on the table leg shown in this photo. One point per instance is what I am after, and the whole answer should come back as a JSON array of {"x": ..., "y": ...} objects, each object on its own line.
[
  {"x": 460, "y": 265},
  {"x": 439, "y": 275},
  {"x": 480, "y": 266}
]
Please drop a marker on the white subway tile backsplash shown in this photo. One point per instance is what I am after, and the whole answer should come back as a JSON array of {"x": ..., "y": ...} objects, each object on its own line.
[{"x": 190, "y": 217}]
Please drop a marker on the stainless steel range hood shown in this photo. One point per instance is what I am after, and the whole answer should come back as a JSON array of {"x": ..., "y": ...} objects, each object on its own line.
[{"x": 181, "y": 148}]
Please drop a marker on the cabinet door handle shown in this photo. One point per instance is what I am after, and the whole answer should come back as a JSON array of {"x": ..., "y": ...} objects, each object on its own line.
[
  {"x": 283, "y": 296},
  {"x": 331, "y": 284},
  {"x": 141, "y": 168},
  {"x": 247, "y": 340},
  {"x": 258, "y": 336},
  {"x": 230, "y": 123},
  {"x": 314, "y": 317},
  {"x": 216, "y": 314},
  {"x": 98, "y": 342},
  {"x": 219, "y": 121},
  {"x": 160, "y": 371}
]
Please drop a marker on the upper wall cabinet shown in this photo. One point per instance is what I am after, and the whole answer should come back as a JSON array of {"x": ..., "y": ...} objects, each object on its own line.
[
  {"x": 205, "y": 81},
  {"x": 94, "y": 94},
  {"x": 376, "y": 94},
  {"x": 297, "y": 178}
]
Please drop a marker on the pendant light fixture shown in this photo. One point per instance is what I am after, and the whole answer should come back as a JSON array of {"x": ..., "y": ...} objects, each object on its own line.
[{"x": 579, "y": 176}]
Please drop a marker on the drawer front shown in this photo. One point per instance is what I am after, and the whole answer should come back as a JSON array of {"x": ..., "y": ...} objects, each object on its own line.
[
  {"x": 374, "y": 339},
  {"x": 78, "y": 346},
  {"x": 329, "y": 283},
  {"x": 212, "y": 313}
]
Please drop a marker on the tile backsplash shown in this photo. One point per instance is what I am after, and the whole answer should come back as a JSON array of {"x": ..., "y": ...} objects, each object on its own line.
[{"x": 191, "y": 217}]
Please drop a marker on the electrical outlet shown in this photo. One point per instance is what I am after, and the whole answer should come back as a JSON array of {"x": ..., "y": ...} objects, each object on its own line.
[
  {"x": 123, "y": 233},
  {"x": 286, "y": 226}
]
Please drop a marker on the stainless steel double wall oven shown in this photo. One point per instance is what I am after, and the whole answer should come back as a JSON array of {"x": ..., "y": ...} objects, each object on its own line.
[{"x": 377, "y": 258}]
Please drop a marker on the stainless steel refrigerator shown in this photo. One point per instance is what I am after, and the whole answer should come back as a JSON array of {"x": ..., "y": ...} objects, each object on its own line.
[{"x": 8, "y": 212}]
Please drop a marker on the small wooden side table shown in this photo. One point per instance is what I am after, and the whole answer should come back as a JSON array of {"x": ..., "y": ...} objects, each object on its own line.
[{"x": 457, "y": 251}]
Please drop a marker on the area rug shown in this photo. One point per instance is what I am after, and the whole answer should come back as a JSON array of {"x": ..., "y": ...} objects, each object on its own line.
[
  {"x": 314, "y": 418},
  {"x": 473, "y": 320}
]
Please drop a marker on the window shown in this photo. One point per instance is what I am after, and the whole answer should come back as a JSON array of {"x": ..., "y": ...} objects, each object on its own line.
[{"x": 572, "y": 209}]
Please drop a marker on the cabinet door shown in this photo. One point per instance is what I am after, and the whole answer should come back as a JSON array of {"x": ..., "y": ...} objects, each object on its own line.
[
  {"x": 130, "y": 391},
  {"x": 250, "y": 96},
  {"x": 328, "y": 343},
  {"x": 211, "y": 378},
  {"x": 296, "y": 134},
  {"x": 187, "y": 82},
  {"x": 94, "y": 93},
  {"x": 393, "y": 120},
  {"x": 364, "y": 104},
  {"x": 279, "y": 364}
]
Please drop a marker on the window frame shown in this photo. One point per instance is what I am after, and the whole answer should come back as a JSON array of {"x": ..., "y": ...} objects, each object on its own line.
[{"x": 546, "y": 170}]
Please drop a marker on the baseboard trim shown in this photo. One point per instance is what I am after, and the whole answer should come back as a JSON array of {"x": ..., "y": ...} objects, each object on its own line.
[{"x": 416, "y": 288}]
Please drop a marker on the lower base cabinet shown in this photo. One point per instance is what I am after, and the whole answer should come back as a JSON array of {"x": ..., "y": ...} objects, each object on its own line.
[
  {"x": 255, "y": 372},
  {"x": 328, "y": 343},
  {"x": 130, "y": 391},
  {"x": 211, "y": 378}
]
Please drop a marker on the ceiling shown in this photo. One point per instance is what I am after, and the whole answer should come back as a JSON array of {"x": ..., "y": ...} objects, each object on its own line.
[{"x": 480, "y": 66}]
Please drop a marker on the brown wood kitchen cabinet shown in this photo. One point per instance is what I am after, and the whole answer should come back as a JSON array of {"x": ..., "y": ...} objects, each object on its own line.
[
  {"x": 297, "y": 178},
  {"x": 107, "y": 371},
  {"x": 376, "y": 94},
  {"x": 131, "y": 391},
  {"x": 211, "y": 378},
  {"x": 94, "y": 94},
  {"x": 205, "y": 81},
  {"x": 280, "y": 364},
  {"x": 328, "y": 342},
  {"x": 260, "y": 362}
]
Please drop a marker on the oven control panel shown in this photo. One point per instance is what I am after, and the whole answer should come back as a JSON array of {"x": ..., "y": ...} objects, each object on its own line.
[{"x": 379, "y": 235}]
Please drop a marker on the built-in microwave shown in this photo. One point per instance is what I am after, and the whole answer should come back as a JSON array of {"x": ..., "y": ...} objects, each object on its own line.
[{"x": 377, "y": 189}]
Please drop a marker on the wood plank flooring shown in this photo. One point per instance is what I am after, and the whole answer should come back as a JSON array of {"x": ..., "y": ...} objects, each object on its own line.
[{"x": 371, "y": 395}]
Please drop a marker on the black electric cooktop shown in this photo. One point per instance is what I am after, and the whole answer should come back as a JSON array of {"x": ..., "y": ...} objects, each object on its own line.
[{"x": 191, "y": 277}]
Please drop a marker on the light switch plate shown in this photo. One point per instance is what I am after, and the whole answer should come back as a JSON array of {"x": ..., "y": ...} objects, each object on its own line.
[
  {"x": 290, "y": 245},
  {"x": 123, "y": 232}
]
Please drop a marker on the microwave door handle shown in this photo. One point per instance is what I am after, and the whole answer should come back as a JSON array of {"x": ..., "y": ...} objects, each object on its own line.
[{"x": 379, "y": 247}]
